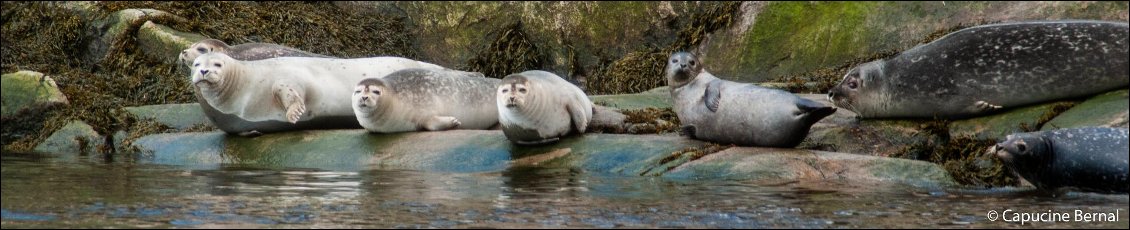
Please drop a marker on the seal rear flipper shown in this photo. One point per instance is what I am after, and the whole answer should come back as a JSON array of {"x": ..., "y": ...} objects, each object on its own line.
[
  {"x": 577, "y": 114},
  {"x": 713, "y": 95},
  {"x": 813, "y": 111}
]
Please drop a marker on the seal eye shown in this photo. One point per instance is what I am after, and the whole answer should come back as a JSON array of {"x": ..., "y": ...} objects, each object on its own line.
[
  {"x": 1021, "y": 147},
  {"x": 202, "y": 50},
  {"x": 218, "y": 65},
  {"x": 377, "y": 92},
  {"x": 196, "y": 64},
  {"x": 356, "y": 92},
  {"x": 674, "y": 60},
  {"x": 692, "y": 63},
  {"x": 522, "y": 90},
  {"x": 505, "y": 90},
  {"x": 852, "y": 85}
]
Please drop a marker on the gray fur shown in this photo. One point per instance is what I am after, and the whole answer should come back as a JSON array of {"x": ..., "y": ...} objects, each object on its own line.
[
  {"x": 1090, "y": 159},
  {"x": 728, "y": 112},
  {"x": 982, "y": 69},
  {"x": 411, "y": 97},
  {"x": 549, "y": 108}
]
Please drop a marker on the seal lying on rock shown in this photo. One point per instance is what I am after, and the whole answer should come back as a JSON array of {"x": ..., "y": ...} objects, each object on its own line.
[
  {"x": 727, "y": 112},
  {"x": 242, "y": 52},
  {"x": 426, "y": 99},
  {"x": 982, "y": 69},
  {"x": 287, "y": 93},
  {"x": 1091, "y": 159},
  {"x": 538, "y": 107}
]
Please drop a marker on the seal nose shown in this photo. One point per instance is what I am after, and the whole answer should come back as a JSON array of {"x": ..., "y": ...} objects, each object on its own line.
[
  {"x": 364, "y": 98},
  {"x": 512, "y": 99},
  {"x": 203, "y": 72}
]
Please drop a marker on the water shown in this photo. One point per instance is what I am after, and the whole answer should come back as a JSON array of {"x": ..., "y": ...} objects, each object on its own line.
[{"x": 52, "y": 193}]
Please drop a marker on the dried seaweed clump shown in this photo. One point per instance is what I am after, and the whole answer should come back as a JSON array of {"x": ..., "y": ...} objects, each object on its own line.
[
  {"x": 962, "y": 156},
  {"x": 511, "y": 51},
  {"x": 635, "y": 72}
]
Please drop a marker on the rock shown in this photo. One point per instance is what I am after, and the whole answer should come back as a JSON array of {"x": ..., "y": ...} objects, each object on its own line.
[
  {"x": 999, "y": 125},
  {"x": 120, "y": 25},
  {"x": 28, "y": 92},
  {"x": 178, "y": 116},
  {"x": 1106, "y": 110},
  {"x": 74, "y": 139},
  {"x": 161, "y": 43},
  {"x": 776, "y": 164},
  {"x": 654, "y": 98}
]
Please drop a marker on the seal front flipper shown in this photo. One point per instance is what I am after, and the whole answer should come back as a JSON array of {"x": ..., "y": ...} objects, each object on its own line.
[
  {"x": 291, "y": 100},
  {"x": 983, "y": 106},
  {"x": 577, "y": 113},
  {"x": 440, "y": 123},
  {"x": 252, "y": 133},
  {"x": 713, "y": 95}
]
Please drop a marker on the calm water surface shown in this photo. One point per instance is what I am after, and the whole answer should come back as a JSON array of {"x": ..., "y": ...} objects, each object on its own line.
[{"x": 43, "y": 192}]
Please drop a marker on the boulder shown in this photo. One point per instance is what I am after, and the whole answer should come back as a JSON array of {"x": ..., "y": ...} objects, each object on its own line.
[
  {"x": 164, "y": 44},
  {"x": 777, "y": 165},
  {"x": 1107, "y": 110},
  {"x": 28, "y": 92},
  {"x": 74, "y": 139},
  {"x": 178, "y": 116},
  {"x": 121, "y": 25}
]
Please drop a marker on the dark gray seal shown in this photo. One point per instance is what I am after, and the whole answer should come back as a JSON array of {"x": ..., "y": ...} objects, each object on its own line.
[
  {"x": 982, "y": 69},
  {"x": 1090, "y": 159},
  {"x": 727, "y": 112}
]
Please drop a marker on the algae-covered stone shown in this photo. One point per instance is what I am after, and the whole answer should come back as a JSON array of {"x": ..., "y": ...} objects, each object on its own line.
[
  {"x": 162, "y": 43},
  {"x": 75, "y": 138},
  {"x": 648, "y": 99},
  {"x": 26, "y": 91},
  {"x": 1000, "y": 125},
  {"x": 1107, "y": 110},
  {"x": 119, "y": 25},
  {"x": 777, "y": 164},
  {"x": 178, "y": 116}
]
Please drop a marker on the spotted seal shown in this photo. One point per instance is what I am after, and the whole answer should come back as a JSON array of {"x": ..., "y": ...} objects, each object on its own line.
[
  {"x": 986, "y": 68},
  {"x": 1091, "y": 159},
  {"x": 744, "y": 114},
  {"x": 286, "y": 93},
  {"x": 426, "y": 99},
  {"x": 538, "y": 107}
]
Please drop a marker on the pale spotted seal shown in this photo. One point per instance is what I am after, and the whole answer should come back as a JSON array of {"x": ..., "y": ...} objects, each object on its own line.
[
  {"x": 425, "y": 99},
  {"x": 744, "y": 114},
  {"x": 538, "y": 107},
  {"x": 982, "y": 69},
  {"x": 242, "y": 52},
  {"x": 286, "y": 93},
  {"x": 1090, "y": 159}
]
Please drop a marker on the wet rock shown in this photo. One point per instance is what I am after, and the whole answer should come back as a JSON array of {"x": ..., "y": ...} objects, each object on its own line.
[
  {"x": 999, "y": 125},
  {"x": 76, "y": 138},
  {"x": 161, "y": 43},
  {"x": 1106, "y": 110},
  {"x": 28, "y": 92},
  {"x": 121, "y": 25},
  {"x": 178, "y": 116},
  {"x": 776, "y": 164}
]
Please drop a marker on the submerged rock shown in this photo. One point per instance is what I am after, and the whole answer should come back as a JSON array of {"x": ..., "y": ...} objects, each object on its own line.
[{"x": 777, "y": 164}]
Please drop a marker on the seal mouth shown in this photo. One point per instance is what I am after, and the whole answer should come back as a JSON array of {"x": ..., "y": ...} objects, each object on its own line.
[
  {"x": 205, "y": 82},
  {"x": 511, "y": 105}
]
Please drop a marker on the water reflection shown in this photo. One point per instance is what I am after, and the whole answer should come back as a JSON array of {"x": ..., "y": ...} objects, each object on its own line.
[{"x": 42, "y": 192}]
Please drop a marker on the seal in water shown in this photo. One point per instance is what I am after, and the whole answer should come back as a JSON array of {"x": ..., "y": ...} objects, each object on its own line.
[{"x": 1090, "y": 159}]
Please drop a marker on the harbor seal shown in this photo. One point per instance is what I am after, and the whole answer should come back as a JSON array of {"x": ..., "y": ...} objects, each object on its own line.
[
  {"x": 1091, "y": 159},
  {"x": 539, "y": 107},
  {"x": 425, "y": 99},
  {"x": 727, "y": 112},
  {"x": 242, "y": 52},
  {"x": 286, "y": 93},
  {"x": 982, "y": 69}
]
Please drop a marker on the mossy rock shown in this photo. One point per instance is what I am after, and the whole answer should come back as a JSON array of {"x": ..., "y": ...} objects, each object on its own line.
[
  {"x": 163, "y": 44},
  {"x": 120, "y": 25},
  {"x": 779, "y": 164},
  {"x": 177, "y": 116},
  {"x": 997, "y": 126},
  {"x": 28, "y": 90},
  {"x": 648, "y": 99},
  {"x": 1108, "y": 110},
  {"x": 74, "y": 139}
]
